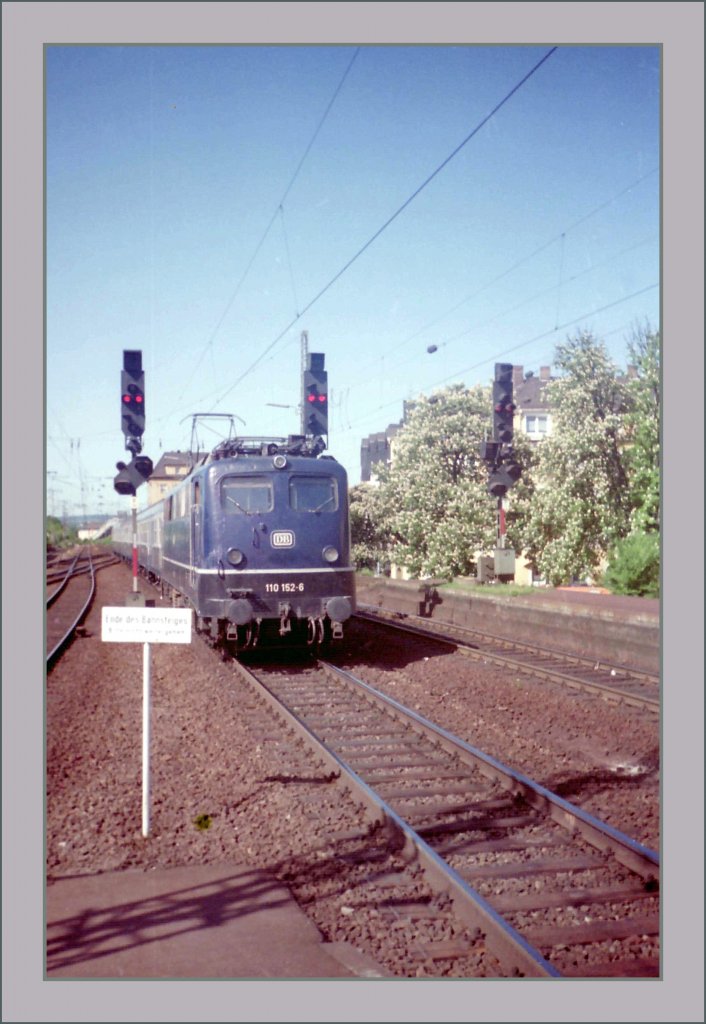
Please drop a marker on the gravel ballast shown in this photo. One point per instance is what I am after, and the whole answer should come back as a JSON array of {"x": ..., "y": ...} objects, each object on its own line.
[{"x": 228, "y": 785}]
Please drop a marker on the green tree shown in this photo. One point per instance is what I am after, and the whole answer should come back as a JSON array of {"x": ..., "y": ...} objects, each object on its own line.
[
  {"x": 633, "y": 567},
  {"x": 522, "y": 495},
  {"x": 58, "y": 535},
  {"x": 642, "y": 424},
  {"x": 433, "y": 495},
  {"x": 371, "y": 537},
  {"x": 581, "y": 503}
]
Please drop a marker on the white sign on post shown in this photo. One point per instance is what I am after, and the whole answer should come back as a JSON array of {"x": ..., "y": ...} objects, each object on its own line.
[{"x": 134, "y": 624}]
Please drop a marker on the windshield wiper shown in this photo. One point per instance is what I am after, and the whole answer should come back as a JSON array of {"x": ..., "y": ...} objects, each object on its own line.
[
  {"x": 238, "y": 505},
  {"x": 323, "y": 504}
]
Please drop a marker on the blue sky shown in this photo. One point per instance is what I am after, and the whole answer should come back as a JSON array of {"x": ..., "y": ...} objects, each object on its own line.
[{"x": 203, "y": 201}]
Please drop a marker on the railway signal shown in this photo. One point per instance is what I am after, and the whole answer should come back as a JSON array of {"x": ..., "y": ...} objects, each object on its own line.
[
  {"x": 132, "y": 400},
  {"x": 489, "y": 450},
  {"x": 502, "y": 476},
  {"x": 315, "y": 396},
  {"x": 132, "y": 421},
  {"x": 503, "y": 406},
  {"x": 133, "y": 474}
]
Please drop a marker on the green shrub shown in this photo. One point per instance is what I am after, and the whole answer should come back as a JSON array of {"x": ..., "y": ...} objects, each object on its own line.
[
  {"x": 634, "y": 566},
  {"x": 58, "y": 535}
]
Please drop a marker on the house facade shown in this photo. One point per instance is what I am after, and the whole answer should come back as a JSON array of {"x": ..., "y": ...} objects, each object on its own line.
[
  {"x": 533, "y": 414},
  {"x": 533, "y": 417},
  {"x": 169, "y": 471}
]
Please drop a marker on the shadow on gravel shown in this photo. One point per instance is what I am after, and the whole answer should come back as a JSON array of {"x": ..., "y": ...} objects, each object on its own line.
[
  {"x": 302, "y": 780},
  {"x": 378, "y": 851},
  {"x": 367, "y": 643},
  {"x": 363, "y": 643},
  {"x": 592, "y": 783}
]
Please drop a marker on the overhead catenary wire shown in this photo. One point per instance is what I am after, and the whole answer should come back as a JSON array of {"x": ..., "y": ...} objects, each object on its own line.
[
  {"x": 514, "y": 266},
  {"x": 405, "y": 319},
  {"x": 514, "y": 348},
  {"x": 510, "y": 309},
  {"x": 523, "y": 259},
  {"x": 558, "y": 327},
  {"x": 289, "y": 261},
  {"x": 498, "y": 106},
  {"x": 278, "y": 208}
]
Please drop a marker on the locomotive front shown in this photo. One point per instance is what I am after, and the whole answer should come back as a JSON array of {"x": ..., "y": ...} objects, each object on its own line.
[{"x": 275, "y": 541}]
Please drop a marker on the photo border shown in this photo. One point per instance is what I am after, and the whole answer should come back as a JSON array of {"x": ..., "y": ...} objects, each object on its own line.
[{"x": 27, "y": 28}]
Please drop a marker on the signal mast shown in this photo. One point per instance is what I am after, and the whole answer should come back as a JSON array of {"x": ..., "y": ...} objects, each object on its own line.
[
  {"x": 132, "y": 420},
  {"x": 503, "y": 468}
]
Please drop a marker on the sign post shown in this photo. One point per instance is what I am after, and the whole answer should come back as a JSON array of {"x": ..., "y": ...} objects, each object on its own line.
[
  {"x": 134, "y": 544},
  {"x": 146, "y": 626},
  {"x": 146, "y": 702}
]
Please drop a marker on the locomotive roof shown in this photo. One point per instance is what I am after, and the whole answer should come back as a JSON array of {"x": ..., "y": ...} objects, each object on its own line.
[
  {"x": 295, "y": 444},
  {"x": 258, "y": 453},
  {"x": 247, "y": 462}
]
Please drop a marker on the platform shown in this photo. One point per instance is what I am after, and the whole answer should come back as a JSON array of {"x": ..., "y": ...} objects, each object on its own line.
[
  {"x": 208, "y": 921},
  {"x": 579, "y": 620}
]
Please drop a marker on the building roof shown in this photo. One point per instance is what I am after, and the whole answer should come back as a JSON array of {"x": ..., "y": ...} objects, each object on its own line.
[
  {"x": 530, "y": 391},
  {"x": 174, "y": 464}
]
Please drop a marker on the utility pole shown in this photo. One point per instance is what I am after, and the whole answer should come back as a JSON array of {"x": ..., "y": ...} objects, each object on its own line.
[
  {"x": 52, "y": 491},
  {"x": 304, "y": 357}
]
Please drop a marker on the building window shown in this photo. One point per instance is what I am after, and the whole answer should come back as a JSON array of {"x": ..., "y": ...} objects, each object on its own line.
[{"x": 536, "y": 425}]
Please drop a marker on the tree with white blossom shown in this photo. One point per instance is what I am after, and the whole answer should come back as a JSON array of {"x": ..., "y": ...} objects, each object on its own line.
[
  {"x": 591, "y": 486},
  {"x": 581, "y": 503},
  {"x": 642, "y": 426},
  {"x": 436, "y": 504}
]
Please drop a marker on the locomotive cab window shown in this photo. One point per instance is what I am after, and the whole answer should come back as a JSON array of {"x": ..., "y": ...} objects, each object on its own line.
[
  {"x": 246, "y": 494},
  {"x": 313, "y": 493}
]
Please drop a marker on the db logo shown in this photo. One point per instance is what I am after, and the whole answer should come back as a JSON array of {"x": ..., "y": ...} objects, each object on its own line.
[{"x": 282, "y": 539}]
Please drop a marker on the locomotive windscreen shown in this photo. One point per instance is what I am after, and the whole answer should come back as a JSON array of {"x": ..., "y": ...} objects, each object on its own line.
[
  {"x": 313, "y": 493},
  {"x": 247, "y": 494}
]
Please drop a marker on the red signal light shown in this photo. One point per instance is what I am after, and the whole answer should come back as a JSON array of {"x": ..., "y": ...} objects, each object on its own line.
[
  {"x": 138, "y": 398},
  {"x": 127, "y": 398},
  {"x": 322, "y": 398},
  {"x": 311, "y": 398}
]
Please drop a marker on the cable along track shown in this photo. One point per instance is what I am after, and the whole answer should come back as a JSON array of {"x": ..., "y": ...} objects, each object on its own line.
[
  {"x": 616, "y": 683},
  {"x": 554, "y": 891}
]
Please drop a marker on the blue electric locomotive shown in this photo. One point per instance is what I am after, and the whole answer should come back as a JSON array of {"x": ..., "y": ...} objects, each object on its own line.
[{"x": 256, "y": 540}]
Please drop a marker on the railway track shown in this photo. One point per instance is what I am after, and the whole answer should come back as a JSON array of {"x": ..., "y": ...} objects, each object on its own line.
[
  {"x": 81, "y": 562},
  {"x": 544, "y": 888},
  {"x": 69, "y": 602},
  {"x": 616, "y": 683}
]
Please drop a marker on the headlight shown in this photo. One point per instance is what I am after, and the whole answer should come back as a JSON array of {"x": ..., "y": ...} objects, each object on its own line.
[
  {"x": 235, "y": 557},
  {"x": 330, "y": 553},
  {"x": 279, "y": 461}
]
